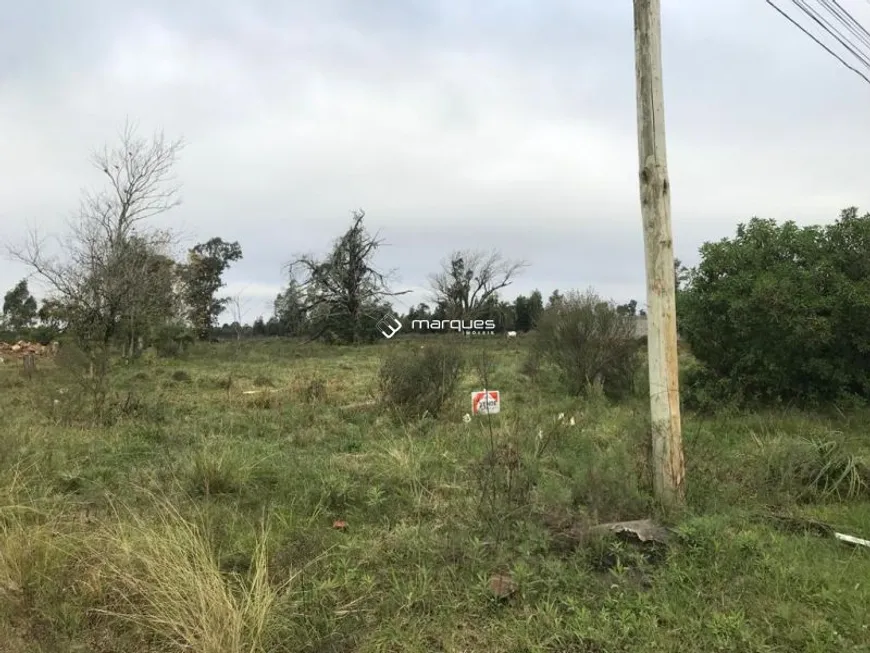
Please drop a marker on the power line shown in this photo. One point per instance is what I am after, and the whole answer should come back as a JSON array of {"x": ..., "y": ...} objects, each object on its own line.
[
  {"x": 865, "y": 60},
  {"x": 848, "y": 21},
  {"x": 851, "y": 25},
  {"x": 830, "y": 29}
]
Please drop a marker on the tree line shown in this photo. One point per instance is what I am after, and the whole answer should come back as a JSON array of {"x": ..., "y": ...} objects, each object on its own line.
[
  {"x": 779, "y": 313},
  {"x": 115, "y": 282},
  {"x": 183, "y": 296}
]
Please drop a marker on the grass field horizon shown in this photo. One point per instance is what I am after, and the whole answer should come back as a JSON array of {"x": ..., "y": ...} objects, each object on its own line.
[{"x": 256, "y": 496}]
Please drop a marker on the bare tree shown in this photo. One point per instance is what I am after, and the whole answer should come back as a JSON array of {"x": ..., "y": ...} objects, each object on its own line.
[
  {"x": 470, "y": 279},
  {"x": 100, "y": 275},
  {"x": 344, "y": 290},
  {"x": 239, "y": 311}
]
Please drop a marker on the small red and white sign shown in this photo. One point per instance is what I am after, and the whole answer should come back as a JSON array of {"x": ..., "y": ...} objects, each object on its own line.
[{"x": 485, "y": 402}]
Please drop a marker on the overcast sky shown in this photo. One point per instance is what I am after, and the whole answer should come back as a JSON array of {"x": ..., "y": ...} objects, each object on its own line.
[{"x": 454, "y": 123}]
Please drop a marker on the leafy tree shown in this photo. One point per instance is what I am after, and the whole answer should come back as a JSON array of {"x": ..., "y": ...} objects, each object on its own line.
[
  {"x": 420, "y": 312},
  {"x": 780, "y": 312},
  {"x": 289, "y": 310},
  {"x": 501, "y": 312},
  {"x": 440, "y": 310},
  {"x": 681, "y": 274},
  {"x": 535, "y": 308},
  {"x": 345, "y": 293},
  {"x": 523, "y": 321},
  {"x": 153, "y": 304},
  {"x": 258, "y": 328},
  {"x": 19, "y": 307},
  {"x": 202, "y": 277},
  {"x": 53, "y": 314},
  {"x": 273, "y": 327},
  {"x": 628, "y": 309},
  {"x": 555, "y": 299}
]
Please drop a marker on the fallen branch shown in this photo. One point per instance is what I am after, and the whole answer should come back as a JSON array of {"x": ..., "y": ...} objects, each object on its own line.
[
  {"x": 800, "y": 524},
  {"x": 852, "y": 540},
  {"x": 361, "y": 404}
]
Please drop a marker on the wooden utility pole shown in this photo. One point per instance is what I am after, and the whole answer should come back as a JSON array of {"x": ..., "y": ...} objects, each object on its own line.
[{"x": 655, "y": 201}]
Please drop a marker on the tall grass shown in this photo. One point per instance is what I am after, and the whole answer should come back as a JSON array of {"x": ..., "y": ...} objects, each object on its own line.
[
  {"x": 417, "y": 516},
  {"x": 164, "y": 570}
]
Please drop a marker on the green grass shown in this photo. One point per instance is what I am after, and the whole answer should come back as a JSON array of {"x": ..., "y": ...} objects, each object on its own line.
[{"x": 201, "y": 517}]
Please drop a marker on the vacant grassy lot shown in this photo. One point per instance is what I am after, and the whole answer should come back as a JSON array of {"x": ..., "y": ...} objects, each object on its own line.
[{"x": 204, "y": 517}]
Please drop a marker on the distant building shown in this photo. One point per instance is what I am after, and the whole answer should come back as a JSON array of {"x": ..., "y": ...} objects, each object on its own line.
[{"x": 641, "y": 327}]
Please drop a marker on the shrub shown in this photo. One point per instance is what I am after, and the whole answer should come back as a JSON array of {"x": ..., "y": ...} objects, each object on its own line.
[
  {"x": 421, "y": 381},
  {"x": 315, "y": 390},
  {"x": 779, "y": 312},
  {"x": 590, "y": 342},
  {"x": 531, "y": 365},
  {"x": 702, "y": 391},
  {"x": 172, "y": 340},
  {"x": 44, "y": 334},
  {"x": 86, "y": 378},
  {"x": 180, "y": 376}
]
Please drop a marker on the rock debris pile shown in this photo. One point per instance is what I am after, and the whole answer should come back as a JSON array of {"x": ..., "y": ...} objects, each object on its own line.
[{"x": 22, "y": 348}]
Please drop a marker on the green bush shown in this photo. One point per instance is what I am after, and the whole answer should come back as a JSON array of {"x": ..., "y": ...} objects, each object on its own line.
[
  {"x": 173, "y": 340},
  {"x": 421, "y": 381},
  {"x": 43, "y": 334},
  {"x": 591, "y": 343},
  {"x": 702, "y": 391},
  {"x": 780, "y": 312}
]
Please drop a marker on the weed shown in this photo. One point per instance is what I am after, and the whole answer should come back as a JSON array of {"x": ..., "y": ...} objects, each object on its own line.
[
  {"x": 814, "y": 469},
  {"x": 180, "y": 376},
  {"x": 421, "y": 382},
  {"x": 214, "y": 473},
  {"x": 430, "y": 511},
  {"x": 263, "y": 401},
  {"x": 315, "y": 390},
  {"x": 261, "y": 381},
  {"x": 165, "y": 576}
]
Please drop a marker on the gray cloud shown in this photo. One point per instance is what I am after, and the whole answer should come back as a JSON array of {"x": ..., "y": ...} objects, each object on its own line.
[{"x": 454, "y": 124}]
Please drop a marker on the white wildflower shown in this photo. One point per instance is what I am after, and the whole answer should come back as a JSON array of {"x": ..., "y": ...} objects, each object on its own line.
[
  {"x": 572, "y": 422},
  {"x": 466, "y": 418},
  {"x": 561, "y": 416},
  {"x": 540, "y": 434}
]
